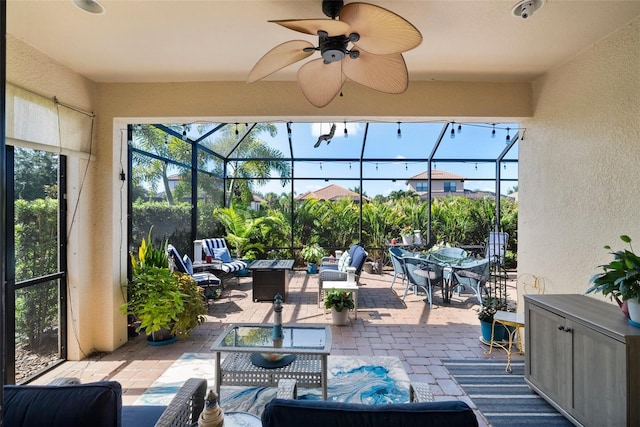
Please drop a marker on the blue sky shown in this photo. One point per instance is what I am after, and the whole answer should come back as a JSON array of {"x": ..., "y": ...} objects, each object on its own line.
[{"x": 472, "y": 143}]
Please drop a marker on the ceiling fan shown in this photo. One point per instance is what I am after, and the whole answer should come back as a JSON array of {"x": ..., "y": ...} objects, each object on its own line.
[{"x": 364, "y": 45}]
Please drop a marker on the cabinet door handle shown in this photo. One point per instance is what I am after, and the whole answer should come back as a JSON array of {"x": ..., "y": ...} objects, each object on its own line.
[{"x": 561, "y": 328}]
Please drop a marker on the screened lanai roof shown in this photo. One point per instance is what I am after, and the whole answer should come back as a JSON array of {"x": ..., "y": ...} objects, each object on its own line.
[{"x": 482, "y": 153}]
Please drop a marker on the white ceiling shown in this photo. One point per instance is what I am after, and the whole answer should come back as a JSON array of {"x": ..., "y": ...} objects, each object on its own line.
[{"x": 215, "y": 40}]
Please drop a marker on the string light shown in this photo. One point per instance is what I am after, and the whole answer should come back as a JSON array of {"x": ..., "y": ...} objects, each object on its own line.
[
  {"x": 376, "y": 166},
  {"x": 399, "y": 133},
  {"x": 453, "y": 130},
  {"x": 349, "y": 165},
  {"x": 476, "y": 166},
  {"x": 459, "y": 128},
  {"x": 406, "y": 166},
  {"x": 289, "y": 128},
  {"x": 237, "y": 132},
  {"x": 508, "y": 138},
  {"x": 493, "y": 131},
  {"x": 346, "y": 133},
  {"x": 505, "y": 166},
  {"x": 184, "y": 133},
  {"x": 320, "y": 165}
]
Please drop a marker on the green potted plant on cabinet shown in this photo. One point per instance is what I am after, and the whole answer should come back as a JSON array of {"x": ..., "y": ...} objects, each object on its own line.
[
  {"x": 165, "y": 303},
  {"x": 340, "y": 303},
  {"x": 620, "y": 280},
  {"x": 312, "y": 254}
]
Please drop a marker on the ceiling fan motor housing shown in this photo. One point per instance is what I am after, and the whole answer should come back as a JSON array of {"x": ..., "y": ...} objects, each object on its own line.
[{"x": 332, "y": 8}]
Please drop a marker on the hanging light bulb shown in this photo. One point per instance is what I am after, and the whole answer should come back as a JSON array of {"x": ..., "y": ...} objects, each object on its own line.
[
  {"x": 505, "y": 166},
  {"x": 459, "y": 128},
  {"x": 493, "y": 131},
  {"x": 453, "y": 130},
  {"x": 508, "y": 138},
  {"x": 346, "y": 133},
  {"x": 289, "y": 128},
  {"x": 399, "y": 133},
  {"x": 349, "y": 165},
  {"x": 320, "y": 165},
  {"x": 376, "y": 166},
  {"x": 476, "y": 166},
  {"x": 184, "y": 133},
  {"x": 166, "y": 139},
  {"x": 435, "y": 166},
  {"x": 406, "y": 166},
  {"x": 237, "y": 132}
]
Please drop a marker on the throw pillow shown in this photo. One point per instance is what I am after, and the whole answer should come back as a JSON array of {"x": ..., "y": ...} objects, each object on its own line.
[
  {"x": 344, "y": 261},
  {"x": 222, "y": 254},
  {"x": 188, "y": 264}
]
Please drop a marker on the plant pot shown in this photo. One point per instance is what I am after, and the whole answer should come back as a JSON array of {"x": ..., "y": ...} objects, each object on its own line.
[
  {"x": 407, "y": 240},
  {"x": 161, "y": 337},
  {"x": 339, "y": 318},
  {"x": 500, "y": 333},
  {"x": 312, "y": 268},
  {"x": 634, "y": 311}
]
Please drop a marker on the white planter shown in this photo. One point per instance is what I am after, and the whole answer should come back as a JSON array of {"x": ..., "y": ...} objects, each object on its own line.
[
  {"x": 634, "y": 310},
  {"x": 339, "y": 318},
  {"x": 407, "y": 240},
  {"x": 417, "y": 237}
]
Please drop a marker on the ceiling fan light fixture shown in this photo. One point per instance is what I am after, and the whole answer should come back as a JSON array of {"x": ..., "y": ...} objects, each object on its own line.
[
  {"x": 91, "y": 6},
  {"x": 525, "y": 8}
]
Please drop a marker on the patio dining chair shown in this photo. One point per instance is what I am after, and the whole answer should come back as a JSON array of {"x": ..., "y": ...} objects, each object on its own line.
[
  {"x": 396, "y": 255},
  {"x": 473, "y": 274},
  {"x": 422, "y": 273}
]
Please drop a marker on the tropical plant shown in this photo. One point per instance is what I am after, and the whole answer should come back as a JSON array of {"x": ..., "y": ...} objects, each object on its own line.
[
  {"x": 246, "y": 232},
  {"x": 339, "y": 300},
  {"x": 620, "y": 278},
  {"x": 312, "y": 253},
  {"x": 159, "y": 298}
]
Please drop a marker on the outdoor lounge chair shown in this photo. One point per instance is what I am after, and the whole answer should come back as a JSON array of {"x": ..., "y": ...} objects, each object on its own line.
[
  {"x": 337, "y": 271},
  {"x": 211, "y": 284},
  {"x": 217, "y": 248}
]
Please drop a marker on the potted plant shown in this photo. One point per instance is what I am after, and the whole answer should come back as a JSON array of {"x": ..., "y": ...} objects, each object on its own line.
[
  {"x": 165, "y": 303},
  {"x": 312, "y": 254},
  {"x": 407, "y": 235},
  {"x": 485, "y": 314},
  {"x": 620, "y": 280},
  {"x": 340, "y": 303}
]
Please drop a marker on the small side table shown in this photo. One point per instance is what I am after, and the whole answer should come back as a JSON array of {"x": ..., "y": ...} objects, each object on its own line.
[{"x": 342, "y": 286}]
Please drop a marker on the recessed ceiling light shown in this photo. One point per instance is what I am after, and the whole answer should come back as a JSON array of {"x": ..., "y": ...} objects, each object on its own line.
[
  {"x": 526, "y": 8},
  {"x": 91, "y": 6}
]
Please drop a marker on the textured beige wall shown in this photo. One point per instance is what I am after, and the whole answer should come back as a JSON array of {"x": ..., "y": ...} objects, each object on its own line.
[
  {"x": 579, "y": 164},
  {"x": 88, "y": 304}
]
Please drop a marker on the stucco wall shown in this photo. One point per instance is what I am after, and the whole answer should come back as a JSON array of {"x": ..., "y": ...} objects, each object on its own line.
[{"x": 579, "y": 164}]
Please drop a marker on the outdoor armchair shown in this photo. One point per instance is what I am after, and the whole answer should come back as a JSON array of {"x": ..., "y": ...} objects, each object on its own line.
[
  {"x": 338, "y": 270},
  {"x": 217, "y": 248},
  {"x": 396, "y": 255}
]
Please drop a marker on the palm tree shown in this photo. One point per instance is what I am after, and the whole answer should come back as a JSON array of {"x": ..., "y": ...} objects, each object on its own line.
[{"x": 243, "y": 173}]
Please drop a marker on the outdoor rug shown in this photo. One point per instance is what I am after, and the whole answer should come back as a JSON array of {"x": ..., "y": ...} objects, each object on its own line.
[
  {"x": 362, "y": 379},
  {"x": 503, "y": 398}
]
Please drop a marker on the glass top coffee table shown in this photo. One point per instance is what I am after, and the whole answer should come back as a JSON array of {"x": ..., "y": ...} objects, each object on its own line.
[{"x": 305, "y": 346}]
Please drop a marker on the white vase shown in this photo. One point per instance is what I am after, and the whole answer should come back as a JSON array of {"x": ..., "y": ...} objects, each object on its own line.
[
  {"x": 417, "y": 237},
  {"x": 634, "y": 310},
  {"x": 339, "y": 318}
]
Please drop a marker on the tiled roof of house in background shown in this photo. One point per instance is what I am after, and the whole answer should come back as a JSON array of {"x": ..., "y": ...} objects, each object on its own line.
[
  {"x": 435, "y": 174},
  {"x": 331, "y": 192}
]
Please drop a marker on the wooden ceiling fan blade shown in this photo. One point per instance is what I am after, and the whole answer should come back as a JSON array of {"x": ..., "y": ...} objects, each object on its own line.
[
  {"x": 320, "y": 82},
  {"x": 381, "y": 31},
  {"x": 312, "y": 26},
  {"x": 279, "y": 57},
  {"x": 384, "y": 73}
]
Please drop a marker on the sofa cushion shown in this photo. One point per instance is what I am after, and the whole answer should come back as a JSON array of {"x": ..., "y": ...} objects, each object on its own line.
[
  {"x": 141, "y": 416},
  {"x": 97, "y": 404},
  {"x": 285, "y": 413},
  {"x": 358, "y": 257}
]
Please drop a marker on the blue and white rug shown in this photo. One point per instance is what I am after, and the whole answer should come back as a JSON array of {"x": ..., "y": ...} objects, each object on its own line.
[{"x": 362, "y": 379}]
